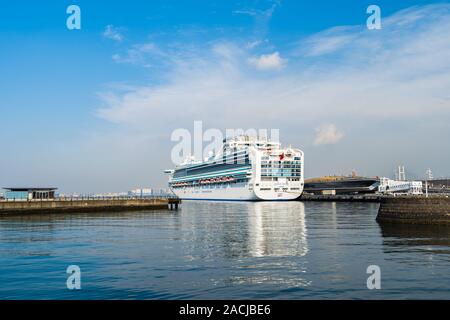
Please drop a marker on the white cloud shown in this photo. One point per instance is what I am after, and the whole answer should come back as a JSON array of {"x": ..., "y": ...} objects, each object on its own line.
[
  {"x": 327, "y": 134},
  {"x": 113, "y": 33},
  {"x": 268, "y": 61},
  {"x": 393, "y": 74}
]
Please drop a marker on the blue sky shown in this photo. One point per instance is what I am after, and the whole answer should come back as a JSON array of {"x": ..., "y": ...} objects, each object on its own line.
[{"x": 92, "y": 109}]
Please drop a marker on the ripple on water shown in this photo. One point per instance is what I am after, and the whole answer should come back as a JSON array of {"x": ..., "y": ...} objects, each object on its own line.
[{"x": 223, "y": 250}]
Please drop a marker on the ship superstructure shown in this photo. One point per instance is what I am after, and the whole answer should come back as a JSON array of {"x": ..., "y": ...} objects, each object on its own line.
[{"x": 247, "y": 168}]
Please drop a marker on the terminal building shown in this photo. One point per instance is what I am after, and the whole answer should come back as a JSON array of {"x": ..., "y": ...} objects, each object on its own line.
[
  {"x": 388, "y": 186},
  {"x": 332, "y": 185},
  {"x": 29, "y": 193}
]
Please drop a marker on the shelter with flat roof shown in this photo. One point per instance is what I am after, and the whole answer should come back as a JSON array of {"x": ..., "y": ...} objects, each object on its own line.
[{"x": 30, "y": 193}]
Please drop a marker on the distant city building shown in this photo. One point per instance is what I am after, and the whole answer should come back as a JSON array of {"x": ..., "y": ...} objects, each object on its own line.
[
  {"x": 165, "y": 192},
  {"x": 439, "y": 185},
  {"x": 111, "y": 195},
  {"x": 30, "y": 193},
  {"x": 144, "y": 192},
  {"x": 428, "y": 174},
  {"x": 388, "y": 186}
]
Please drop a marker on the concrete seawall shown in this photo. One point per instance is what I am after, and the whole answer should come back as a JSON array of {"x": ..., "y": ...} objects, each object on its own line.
[
  {"x": 61, "y": 206},
  {"x": 415, "y": 210}
]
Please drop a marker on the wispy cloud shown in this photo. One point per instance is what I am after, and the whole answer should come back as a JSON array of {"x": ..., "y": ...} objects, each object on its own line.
[
  {"x": 139, "y": 54},
  {"x": 113, "y": 33},
  {"x": 260, "y": 12},
  {"x": 328, "y": 41},
  {"x": 256, "y": 43}
]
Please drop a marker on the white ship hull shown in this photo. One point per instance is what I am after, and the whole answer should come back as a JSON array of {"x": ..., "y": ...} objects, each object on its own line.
[{"x": 234, "y": 193}]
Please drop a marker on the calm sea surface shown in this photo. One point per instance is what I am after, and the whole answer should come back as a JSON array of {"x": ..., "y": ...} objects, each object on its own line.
[{"x": 223, "y": 250}]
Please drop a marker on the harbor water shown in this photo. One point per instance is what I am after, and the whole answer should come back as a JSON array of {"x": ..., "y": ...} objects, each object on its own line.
[{"x": 223, "y": 250}]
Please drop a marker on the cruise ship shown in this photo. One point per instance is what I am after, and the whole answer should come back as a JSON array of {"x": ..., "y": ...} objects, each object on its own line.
[{"x": 247, "y": 168}]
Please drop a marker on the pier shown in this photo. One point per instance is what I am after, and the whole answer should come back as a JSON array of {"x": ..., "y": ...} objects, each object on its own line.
[{"x": 81, "y": 205}]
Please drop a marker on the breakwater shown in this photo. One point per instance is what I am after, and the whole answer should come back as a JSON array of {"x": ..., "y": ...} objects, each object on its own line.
[
  {"x": 415, "y": 210},
  {"x": 87, "y": 205}
]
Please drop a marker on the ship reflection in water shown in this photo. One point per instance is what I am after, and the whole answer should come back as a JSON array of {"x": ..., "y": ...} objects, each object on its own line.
[
  {"x": 271, "y": 236},
  {"x": 275, "y": 232},
  {"x": 221, "y": 250},
  {"x": 251, "y": 239}
]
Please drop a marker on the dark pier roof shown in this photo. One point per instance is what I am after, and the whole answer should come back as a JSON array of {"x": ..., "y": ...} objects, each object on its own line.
[{"x": 30, "y": 189}]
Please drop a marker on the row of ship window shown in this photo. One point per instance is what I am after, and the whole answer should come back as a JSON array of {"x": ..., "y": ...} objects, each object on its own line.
[
  {"x": 211, "y": 185},
  {"x": 280, "y": 175},
  {"x": 279, "y": 161},
  {"x": 266, "y": 159},
  {"x": 281, "y": 169},
  {"x": 268, "y": 189},
  {"x": 271, "y": 178},
  {"x": 281, "y": 166}
]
